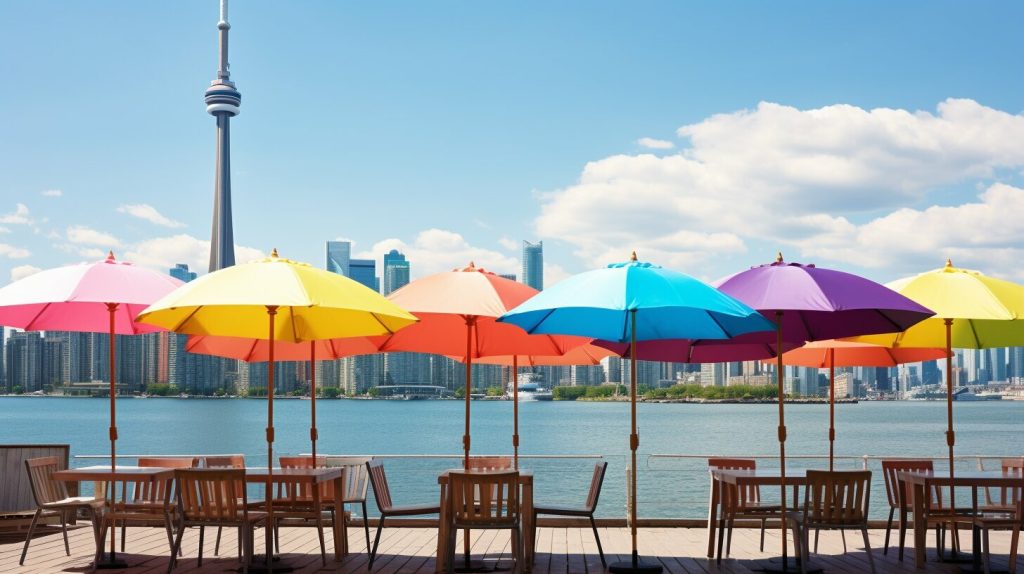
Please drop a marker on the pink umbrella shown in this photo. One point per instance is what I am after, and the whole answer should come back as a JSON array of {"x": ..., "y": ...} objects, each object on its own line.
[{"x": 100, "y": 297}]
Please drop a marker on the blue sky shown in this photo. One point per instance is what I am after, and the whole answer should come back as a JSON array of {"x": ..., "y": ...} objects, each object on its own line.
[{"x": 876, "y": 137}]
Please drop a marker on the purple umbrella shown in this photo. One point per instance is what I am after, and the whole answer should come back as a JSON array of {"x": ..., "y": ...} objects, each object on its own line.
[
  {"x": 751, "y": 347},
  {"x": 812, "y": 303}
]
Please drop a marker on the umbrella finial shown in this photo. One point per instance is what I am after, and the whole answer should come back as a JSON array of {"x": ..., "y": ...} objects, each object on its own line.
[
  {"x": 949, "y": 263},
  {"x": 110, "y": 256},
  {"x": 633, "y": 256},
  {"x": 778, "y": 257},
  {"x": 273, "y": 252}
]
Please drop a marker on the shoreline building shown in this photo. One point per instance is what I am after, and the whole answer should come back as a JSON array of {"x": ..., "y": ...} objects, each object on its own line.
[
  {"x": 353, "y": 374},
  {"x": 222, "y": 102},
  {"x": 533, "y": 264}
]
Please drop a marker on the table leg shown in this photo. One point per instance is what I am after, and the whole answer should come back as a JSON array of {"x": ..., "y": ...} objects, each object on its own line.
[
  {"x": 722, "y": 513},
  {"x": 442, "y": 530},
  {"x": 712, "y": 512},
  {"x": 920, "y": 523},
  {"x": 528, "y": 526},
  {"x": 340, "y": 526}
]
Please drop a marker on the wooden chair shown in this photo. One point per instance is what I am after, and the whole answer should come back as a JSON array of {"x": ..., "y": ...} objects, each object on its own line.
[
  {"x": 357, "y": 480},
  {"x": 1006, "y": 498},
  {"x": 227, "y": 461},
  {"x": 487, "y": 500},
  {"x": 740, "y": 503},
  {"x": 1012, "y": 521},
  {"x": 587, "y": 510},
  {"x": 483, "y": 463},
  {"x": 146, "y": 503},
  {"x": 382, "y": 494},
  {"x": 51, "y": 497},
  {"x": 208, "y": 497},
  {"x": 899, "y": 496},
  {"x": 836, "y": 500},
  {"x": 302, "y": 504}
]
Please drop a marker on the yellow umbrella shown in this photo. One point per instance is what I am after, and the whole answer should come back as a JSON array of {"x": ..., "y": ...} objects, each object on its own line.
[
  {"x": 972, "y": 311},
  {"x": 278, "y": 300}
]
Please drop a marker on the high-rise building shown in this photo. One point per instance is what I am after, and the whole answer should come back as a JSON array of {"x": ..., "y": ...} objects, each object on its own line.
[
  {"x": 222, "y": 101},
  {"x": 3, "y": 357},
  {"x": 181, "y": 273},
  {"x": 533, "y": 265},
  {"x": 396, "y": 271},
  {"x": 930, "y": 374},
  {"x": 509, "y": 276},
  {"x": 339, "y": 253},
  {"x": 1015, "y": 364},
  {"x": 24, "y": 355},
  {"x": 364, "y": 271}
]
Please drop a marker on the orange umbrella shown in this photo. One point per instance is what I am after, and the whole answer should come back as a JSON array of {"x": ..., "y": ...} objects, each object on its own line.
[
  {"x": 833, "y": 353},
  {"x": 587, "y": 354},
  {"x": 258, "y": 351},
  {"x": 457, "y": 311}
]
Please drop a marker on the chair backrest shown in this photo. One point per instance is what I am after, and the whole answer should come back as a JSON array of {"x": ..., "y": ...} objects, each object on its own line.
[
  {"x": 302, "y": 492},
  {"x": 837, "y": 498},
  {"x": 1008, "y": 496},
  {"x": 484, "y": 499},
  {"x": 895, "y": 489},
  {"x": 357, "y": 479},
  {"x": 301, "y": 462},
  {"x": 144, "y": 490},
  {"x": 596, "y": 480},
  {"x": 381, "y": 493},
  {"x": 490, "y": 463},
  {"x": 733, "y": 496},
  {"x": 40, "y": 475},
  {"x": 229, "y": 461},
  {"x": 210, "y": 494}
]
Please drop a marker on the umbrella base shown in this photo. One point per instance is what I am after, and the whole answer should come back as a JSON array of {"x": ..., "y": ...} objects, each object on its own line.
[
  {"x": 110, "y": 564},
  {"x": 472, "y": 566},
  {"x": 631, "y": 567},
  {"x": 259, "y": 565}
]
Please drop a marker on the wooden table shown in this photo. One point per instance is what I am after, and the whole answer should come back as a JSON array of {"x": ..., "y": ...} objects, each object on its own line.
[
  {"x": 525, "y": 508},
  {"x": 924, "y": 482},
  {"x": 743, "y": 479},
  {"x": 103, "y": 475},
  {"x": 313, "y": 477}
]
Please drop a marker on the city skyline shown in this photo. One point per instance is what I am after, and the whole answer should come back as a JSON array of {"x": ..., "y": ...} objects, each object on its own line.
[{"x": 878, "y": 153}]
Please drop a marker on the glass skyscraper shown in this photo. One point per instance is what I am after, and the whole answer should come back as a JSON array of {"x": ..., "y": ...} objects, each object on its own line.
[
  {"x": 339, "y": 253},
  {"x": 533, "y": 264},
  {"x": 396, "y": 271}
]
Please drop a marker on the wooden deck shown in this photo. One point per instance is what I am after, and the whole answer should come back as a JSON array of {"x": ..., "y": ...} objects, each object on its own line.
[{"x": 411, "y": 550}]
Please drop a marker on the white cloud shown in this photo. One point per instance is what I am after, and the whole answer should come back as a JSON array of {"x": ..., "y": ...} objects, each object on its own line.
[
  {"x": 508, "y": 244},
  {"x": 19, "y": 216},
  {"x": 52, "y": 193},
  {"x": 12, "y": 252},
  {"x": 651, "y": 143},
  {"x": 82, "y": 235},
  {"x": 775, "y": 174},
  {"x": 23, "y": 271},
  {"x": 554, "y": 273},
  {"x": 162, "y": 253},
  {"x": 150, "y": 214},
  {"x": 435, "y": 250},
  {"x": 5, "y": 230},
  {"x": 987, "y": 234}
]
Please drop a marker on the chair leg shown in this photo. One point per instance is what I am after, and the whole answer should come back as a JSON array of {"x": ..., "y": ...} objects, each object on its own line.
[
  {"x": 216, "y": 544},
  {"x": 764, "y": 522},
  {"x": 320, "y": 533},
  {"x": 1014, "y": 544},
  {"x": 722, "y": 526},
  {"x": 244, "y": 542},
  {"x": 175, "y": 549},
  {"x": 842, "y": 533},
  {"x": 376, "y": 541},
  {"x": 170, "y": 531},
  {"x": 465, "y": 547},
  {"x": 597, "y": 538},
  {"x": 940, "y": 542},
  {"x": 903, "y": 533},
  {"x": 956, "y": 537},
  {"x": 986, "y": 559},
  {"x": 888, "y": 527},
  {"x": 124, "y": 530},
  {"x": 64, "y": 531},
  {"x": 867, "y": 548},
  {"x": 517, "y": 550},
  {"x": 31, "y": 530},
  {"x": 817, "y": 531},
  {"x": 728, "y": 538},
  {"x": 201, "y": 531},
  {"x": 366, "y": 525}
]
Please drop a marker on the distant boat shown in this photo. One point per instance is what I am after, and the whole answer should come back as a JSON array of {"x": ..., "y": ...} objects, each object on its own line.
[
  {"x": 531, "y": 391},
  {"x": 982, "y": 396}
]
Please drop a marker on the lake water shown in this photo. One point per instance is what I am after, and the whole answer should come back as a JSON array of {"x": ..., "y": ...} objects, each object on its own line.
[{"x": 669, "y": 487}]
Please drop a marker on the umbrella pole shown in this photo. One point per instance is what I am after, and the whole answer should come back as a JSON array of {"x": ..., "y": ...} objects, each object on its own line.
[
  {"x": 312, "y": 397},
  {"x": 515, "y": 410},
  {"x": 271, "y": 311},
  {"x": 634, "y": 566},
  {"x": 782, "y": 428},
  {"x": 470, "y": 322},
  {"x": 112, "y": 310},
  {"x": 831, "y": 407},
  {"x": 950, "y": 436}
]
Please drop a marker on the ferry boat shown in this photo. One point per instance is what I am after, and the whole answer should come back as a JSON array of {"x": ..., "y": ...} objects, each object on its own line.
[{"x": 529, "y": 390}]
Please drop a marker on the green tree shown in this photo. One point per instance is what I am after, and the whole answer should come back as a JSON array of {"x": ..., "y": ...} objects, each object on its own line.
[
  {"x": 495, "y": 391},
  {"x": 460, "y": 393},
  {"x": 568, "y": 393},
  {"x": 330, "y": 392},
  {"x": 373, "y": 392}
]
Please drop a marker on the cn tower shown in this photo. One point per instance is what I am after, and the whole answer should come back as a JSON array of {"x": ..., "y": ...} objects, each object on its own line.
[{"x": 222, "y": 101}]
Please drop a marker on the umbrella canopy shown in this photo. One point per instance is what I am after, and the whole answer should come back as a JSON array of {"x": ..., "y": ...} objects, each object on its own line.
[
  {"x": 699, "y": 350},
  {"x": 630, "y": 302},
  {"x": 457, "y": 313},
  {"x": 100, "y": 297},
  {"x": 810, "y": 303},
  {"x": 836, "y": 353},
  {"x": 276, "y": 299},
  {"x": 972, "y": 311}
]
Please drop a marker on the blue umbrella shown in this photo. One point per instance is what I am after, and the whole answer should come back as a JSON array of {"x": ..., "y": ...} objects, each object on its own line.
[{"x": 630, "y": 302}]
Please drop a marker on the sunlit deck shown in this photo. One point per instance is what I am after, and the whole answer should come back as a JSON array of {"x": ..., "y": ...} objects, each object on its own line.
[{"x": 411, "y": 550}]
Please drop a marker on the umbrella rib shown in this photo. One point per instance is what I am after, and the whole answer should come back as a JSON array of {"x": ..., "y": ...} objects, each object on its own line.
[
  {"x": 533, "y": 329},
  {"x": 386, "y": 328},
  {"x": 28, "y": 327},
  {"x": 291, "y": 319},
  {"x": 720, "y": 326},
  {"x": 186, "y": 319},
  {"x": 807, "y": 328},
  {"x": 891, "y": 321},
  {"x": 977, "y": 339}
]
